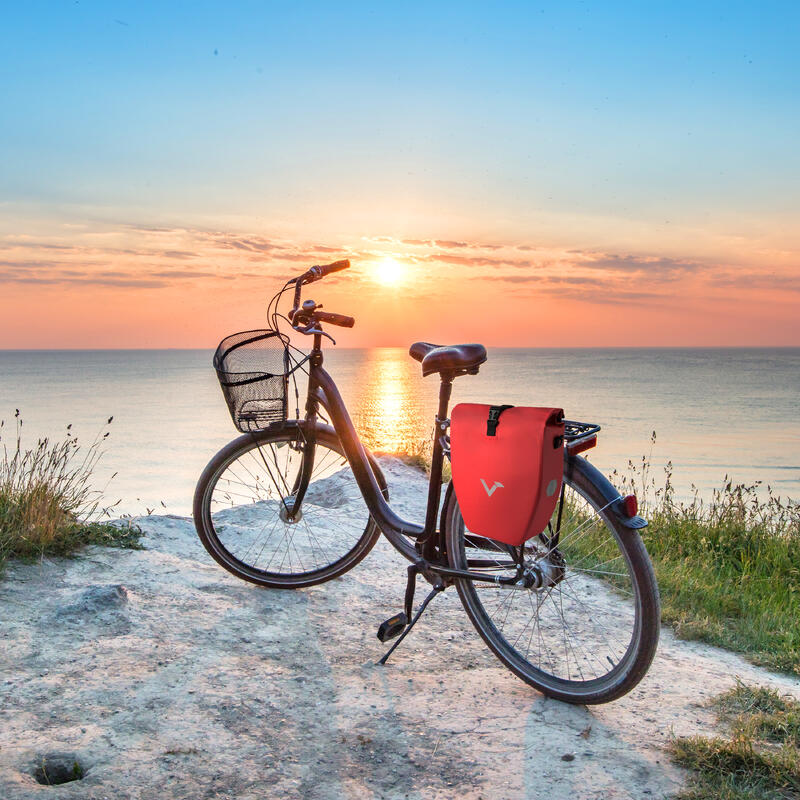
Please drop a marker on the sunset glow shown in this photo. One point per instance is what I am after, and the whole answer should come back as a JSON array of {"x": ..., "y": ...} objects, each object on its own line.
[
  {"x": 387, "y": 396},
  {"x": 389, "y": 272}
]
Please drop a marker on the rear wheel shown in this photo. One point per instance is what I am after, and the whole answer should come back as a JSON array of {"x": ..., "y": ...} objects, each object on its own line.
[
  {"x": 244, "y": 504},
  {"x": 589, "y": 634}
]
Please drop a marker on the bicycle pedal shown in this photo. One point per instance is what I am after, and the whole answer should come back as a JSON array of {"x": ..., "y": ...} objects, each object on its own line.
[{"x": 392, "y": 627}]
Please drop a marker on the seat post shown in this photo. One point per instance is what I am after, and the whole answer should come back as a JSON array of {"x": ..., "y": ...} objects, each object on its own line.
[
  {"x": 437, "y": 462},
  {"x": 445, "y": 389}
]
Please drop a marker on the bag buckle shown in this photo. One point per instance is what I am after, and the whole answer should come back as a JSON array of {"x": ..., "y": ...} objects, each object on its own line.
[{"x": 494, "y": 419}]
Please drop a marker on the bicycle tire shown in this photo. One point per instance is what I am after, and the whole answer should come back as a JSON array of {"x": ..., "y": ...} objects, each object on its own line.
[
  {"x": 633, "y": 663},
  {"x": 235, "y": 564}
]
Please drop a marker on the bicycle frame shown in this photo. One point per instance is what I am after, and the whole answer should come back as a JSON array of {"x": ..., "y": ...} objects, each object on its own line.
[{"x": 428, "y": 550}]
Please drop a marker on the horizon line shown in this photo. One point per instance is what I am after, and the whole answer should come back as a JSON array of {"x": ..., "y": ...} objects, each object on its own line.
[{"x": 405, "y": 347}]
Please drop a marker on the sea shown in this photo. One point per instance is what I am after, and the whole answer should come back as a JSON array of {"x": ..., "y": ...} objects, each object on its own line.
[{"x": 712, "y": 414}]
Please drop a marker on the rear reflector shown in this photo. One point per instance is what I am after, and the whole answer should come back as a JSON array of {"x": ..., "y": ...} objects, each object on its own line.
[
  {"x": 573, "y": 448},
  {"x": 631, "y": 505}
]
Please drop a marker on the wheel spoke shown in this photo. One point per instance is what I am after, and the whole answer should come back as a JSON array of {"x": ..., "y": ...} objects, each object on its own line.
[
  {"x": 251, "y": 501},
  {"x": 574, "y": 631}
]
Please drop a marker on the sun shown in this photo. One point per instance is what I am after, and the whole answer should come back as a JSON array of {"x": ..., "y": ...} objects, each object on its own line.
[{"x": 389, "y": 272}]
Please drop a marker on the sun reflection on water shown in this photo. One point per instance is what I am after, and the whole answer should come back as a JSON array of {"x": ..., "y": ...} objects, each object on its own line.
[{"x": 389, "y": 413}]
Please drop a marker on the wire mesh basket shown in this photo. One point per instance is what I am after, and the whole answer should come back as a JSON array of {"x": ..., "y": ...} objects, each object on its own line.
[{"x": 253, "y": 370}]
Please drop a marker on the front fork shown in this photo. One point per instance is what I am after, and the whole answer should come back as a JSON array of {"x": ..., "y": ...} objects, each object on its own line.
[
  {"x": 308, "y": 443},
  {"x": 307, "y": 446}
]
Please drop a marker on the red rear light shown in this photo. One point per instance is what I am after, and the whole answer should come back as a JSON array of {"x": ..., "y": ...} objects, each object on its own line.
[
  {"x": 581, "y": 445},
  {"x": 631, "y": 505}
]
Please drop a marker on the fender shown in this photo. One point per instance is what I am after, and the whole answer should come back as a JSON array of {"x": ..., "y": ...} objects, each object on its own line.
[{"x": 610, "y": 495}]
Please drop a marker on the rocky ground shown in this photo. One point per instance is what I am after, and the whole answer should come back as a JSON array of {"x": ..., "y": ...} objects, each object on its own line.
[{"x": 162, "y": 676}]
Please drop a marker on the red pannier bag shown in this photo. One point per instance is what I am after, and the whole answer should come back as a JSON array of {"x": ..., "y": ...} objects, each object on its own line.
[{"x": 507, "y": 464}]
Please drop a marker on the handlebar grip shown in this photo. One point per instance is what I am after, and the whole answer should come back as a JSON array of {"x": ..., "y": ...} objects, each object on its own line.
[
  {"x": 337, "y": 266},
  {"x": 319, "y": 272},
  {"x": 335, "y": 319}
]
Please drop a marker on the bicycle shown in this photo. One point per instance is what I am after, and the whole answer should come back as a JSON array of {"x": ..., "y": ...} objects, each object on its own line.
[{"x": 291, "y": 503}]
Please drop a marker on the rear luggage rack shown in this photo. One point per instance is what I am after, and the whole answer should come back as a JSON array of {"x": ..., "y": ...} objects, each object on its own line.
[
  {"x": 574, "y": 431},
  {"x": 579, "y": 436}
]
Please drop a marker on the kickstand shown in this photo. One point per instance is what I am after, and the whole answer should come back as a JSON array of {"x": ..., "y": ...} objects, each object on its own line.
[{"x": 412, "y": 579}]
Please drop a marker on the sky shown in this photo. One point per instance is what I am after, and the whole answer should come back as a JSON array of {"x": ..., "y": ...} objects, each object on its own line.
[{"x": 529, "y": 174}]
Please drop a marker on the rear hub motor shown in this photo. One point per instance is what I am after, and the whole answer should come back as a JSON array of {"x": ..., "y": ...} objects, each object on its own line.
[{"x": 543, "y": 573}]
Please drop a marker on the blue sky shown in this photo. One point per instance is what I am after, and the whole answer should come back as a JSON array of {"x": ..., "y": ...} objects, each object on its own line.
[{"x": 636, "y": 109}]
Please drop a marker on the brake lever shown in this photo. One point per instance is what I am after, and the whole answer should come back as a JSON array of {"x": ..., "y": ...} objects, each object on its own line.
[
  {"x": 308, "y": 331},
  {"x": 322, "y": 333}
]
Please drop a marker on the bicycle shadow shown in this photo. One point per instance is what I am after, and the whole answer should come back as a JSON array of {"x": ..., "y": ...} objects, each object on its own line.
[{"x": 475, "y": 734}]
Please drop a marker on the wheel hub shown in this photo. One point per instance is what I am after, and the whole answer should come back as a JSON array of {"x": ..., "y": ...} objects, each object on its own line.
[
  {"x": 544, "y": 572},
  {"x": 287, "y": 514}
]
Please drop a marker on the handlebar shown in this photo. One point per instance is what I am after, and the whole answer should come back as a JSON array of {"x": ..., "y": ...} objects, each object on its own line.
[{"x": 306, "y": 319}]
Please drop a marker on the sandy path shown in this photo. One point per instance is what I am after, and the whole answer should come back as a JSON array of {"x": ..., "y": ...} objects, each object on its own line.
[{"x": 192, "y": 684}]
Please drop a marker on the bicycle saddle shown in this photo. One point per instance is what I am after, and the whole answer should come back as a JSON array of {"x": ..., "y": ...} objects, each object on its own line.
[{"x": 448, "y": 358}]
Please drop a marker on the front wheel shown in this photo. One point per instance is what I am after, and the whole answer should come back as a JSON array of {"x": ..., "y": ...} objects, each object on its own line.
[
  {"x": 589, "y": 633},
  {"x": 245, "y": 515}
]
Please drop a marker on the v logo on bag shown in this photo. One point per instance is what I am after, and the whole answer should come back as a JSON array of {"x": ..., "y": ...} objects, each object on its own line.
[{"x": 497, "y": 485}]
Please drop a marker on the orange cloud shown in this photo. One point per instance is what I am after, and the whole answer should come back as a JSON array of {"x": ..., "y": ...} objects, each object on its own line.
[{"x": 133, "y": 285}]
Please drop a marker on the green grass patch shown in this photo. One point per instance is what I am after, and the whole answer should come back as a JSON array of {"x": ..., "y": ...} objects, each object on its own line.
[
  {"x": 728, "y": 568},
  {"x": 47, "y": 503},
  {"x": 761, "y": 713},
  {"x": 758, "y": 761}
]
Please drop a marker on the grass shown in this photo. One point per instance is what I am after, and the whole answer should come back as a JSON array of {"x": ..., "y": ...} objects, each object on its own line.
[
  {"x": 47, "y": 503},
  {"x": 760, "y": 759},
  {"x": 728, "y": 568}
]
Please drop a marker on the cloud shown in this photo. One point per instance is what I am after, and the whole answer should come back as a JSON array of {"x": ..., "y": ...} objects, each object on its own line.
[
  {"x": 51, "y": 273},
  {"x": 658, "y": 265},
  {"x": 513, "y": 278},
  {"x": 147, "y": 257},
  {"x": 85, "y": 280},
  {"x": 748, "y": 280},
  {"x": 180, "y": 254},
  {"x": 619, "y": 296},
  {"x": 577, "y": 280},
  {"x": 188, "y": 273},
  {"x": 152, "y": 228},
  {"x": 303, "y": 256},
  {"x": 572, "y": 280},
  {"x": 12, "y": 244},
  {"x": 478, "y": 261},
  {"x": 28, "y": 264},
  {"x": 253, "y": 245}
]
